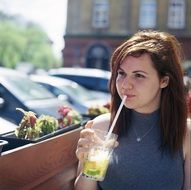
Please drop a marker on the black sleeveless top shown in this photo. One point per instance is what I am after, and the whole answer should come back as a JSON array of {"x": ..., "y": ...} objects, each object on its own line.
[{"x": 141, "y": 165}]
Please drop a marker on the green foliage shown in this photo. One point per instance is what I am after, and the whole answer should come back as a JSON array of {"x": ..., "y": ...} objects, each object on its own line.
[
  {"x": 22, "y": 41},
  {"x": 47, "y": 124}
]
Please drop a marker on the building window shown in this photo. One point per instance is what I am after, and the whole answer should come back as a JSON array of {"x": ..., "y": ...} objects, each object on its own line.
[
  {"x": 100, "y": 17},
  {"x": 148, "y": 12},
  {"x": 98, "y": 57},
  {"x": 176, "y": 14}
]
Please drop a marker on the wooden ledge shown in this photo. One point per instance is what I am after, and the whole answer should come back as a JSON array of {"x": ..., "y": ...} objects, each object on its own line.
[{"x": 50, "y": 164}]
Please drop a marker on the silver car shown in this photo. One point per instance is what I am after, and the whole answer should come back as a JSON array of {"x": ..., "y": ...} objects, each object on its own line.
[{"x": 80, "y": 97}]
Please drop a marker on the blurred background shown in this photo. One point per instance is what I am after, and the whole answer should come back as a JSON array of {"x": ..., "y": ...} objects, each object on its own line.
[
  {"x": 46, "y": 37},
  {"x": 31, "y": 33},
  {"x": 42, "y": 34}
]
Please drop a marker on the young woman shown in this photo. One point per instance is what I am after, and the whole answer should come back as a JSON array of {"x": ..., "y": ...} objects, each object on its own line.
[{"x": 153, "y": 151}]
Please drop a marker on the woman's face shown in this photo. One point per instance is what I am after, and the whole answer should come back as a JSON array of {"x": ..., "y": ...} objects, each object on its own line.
[{"x": 139, "y": 81}]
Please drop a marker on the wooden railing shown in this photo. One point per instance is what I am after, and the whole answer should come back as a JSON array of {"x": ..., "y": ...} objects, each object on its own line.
[{"x": 47, "y": 165}]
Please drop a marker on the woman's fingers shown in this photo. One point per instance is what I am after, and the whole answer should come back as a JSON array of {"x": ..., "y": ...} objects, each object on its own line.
[
  {"x": 81, "y": 153},
  {"x": 89, "y": 124},
  {"x": 88, "y": 138},
  {"x": 85, "y": 133},
  {"x": 84, "y": 142}
]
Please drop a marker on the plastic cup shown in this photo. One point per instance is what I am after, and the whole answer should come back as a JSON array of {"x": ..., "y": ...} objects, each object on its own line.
[{"x": 99, "y": 155}]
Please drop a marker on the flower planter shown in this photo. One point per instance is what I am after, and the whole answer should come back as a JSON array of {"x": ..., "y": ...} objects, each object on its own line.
[
  {"x": 2, "y": 144},
  {"x": 14, "y": 142}
]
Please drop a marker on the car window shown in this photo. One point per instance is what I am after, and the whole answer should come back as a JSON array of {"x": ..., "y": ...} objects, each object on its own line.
[
  {"x": 73, "y": 89},
  {"x": 90, "y": 82},
  {"x": 56, "y": 91},
  {"x": 103, "y": 85},
  {"x": 94, "y": 83},
  {"x": 26, "y": 89}
]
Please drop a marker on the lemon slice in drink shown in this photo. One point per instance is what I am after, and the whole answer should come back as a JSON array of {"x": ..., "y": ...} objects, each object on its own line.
[{"x": 93, "y": 172}]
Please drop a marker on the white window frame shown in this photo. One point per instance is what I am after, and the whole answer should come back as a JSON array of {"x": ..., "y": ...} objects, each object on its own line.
[
  {"x": 176, "y": 14},
  {"x": 100, "y": 16},
  {"x": 148, "y": 14}
]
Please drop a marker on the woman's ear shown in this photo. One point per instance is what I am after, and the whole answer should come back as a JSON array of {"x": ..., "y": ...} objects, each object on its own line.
[{"x": 164, "y": 82}]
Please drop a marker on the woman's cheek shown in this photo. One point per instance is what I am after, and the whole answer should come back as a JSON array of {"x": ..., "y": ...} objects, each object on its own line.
[{"x": 119, "y": 89}]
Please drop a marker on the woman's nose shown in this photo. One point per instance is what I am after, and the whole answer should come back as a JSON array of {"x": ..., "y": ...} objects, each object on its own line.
[{"x": 127, "y": 84}]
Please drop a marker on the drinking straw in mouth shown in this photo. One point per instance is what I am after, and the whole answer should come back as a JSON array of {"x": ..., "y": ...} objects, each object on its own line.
[{"x": 115, "y": 118}]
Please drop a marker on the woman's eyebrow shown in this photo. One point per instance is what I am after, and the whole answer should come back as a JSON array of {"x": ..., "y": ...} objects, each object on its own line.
[
  {"x": 140, "y": 71},
  {"x": 136, "y": 71}
]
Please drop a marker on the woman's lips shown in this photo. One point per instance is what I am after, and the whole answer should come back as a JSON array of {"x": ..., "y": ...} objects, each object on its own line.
[{"x": 130, "y": 95}]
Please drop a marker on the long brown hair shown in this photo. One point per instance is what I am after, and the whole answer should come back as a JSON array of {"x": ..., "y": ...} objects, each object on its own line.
[{"x": 166, "y": 54}]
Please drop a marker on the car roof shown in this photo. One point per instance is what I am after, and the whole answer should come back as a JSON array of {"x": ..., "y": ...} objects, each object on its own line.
[
  {"x": 81, "y": 71},
  {"x": 10, "y": 72},
  {"x": 56, "y": 81},
  {"x": 6, "y": 126}
]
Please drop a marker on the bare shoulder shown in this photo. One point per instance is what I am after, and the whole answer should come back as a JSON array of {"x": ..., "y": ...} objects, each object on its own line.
[{"x": 102, "y": 122}]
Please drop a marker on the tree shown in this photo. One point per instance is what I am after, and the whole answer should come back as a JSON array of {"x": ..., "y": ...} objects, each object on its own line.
[{"x": 22, "y": 41}]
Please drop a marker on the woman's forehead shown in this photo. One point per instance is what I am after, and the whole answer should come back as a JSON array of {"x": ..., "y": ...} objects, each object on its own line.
[{"x": 143, "y": 61}]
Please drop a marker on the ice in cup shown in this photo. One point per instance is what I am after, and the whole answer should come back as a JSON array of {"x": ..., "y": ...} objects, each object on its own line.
[
  {"x": 97, "y": 161},
  {"x": 96, "y": 164}
]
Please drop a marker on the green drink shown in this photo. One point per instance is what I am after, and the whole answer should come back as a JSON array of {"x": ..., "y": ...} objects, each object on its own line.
[
  {"x": 97, "y": 160},
  {"x": 96, "y": 164}
]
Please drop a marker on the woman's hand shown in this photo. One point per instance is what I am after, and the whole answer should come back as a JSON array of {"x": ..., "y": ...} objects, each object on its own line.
[
  {"x": 85, "y": 141},
  {"x": 88, "y": 138}
]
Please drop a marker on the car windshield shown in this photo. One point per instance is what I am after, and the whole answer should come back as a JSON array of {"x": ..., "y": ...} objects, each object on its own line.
[
  {"x": 25, "y": 89},
  {"x": 77, "y": 92}
]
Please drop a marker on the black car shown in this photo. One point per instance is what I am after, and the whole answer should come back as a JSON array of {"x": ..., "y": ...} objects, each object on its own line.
[
  {"x": 93, "y": 79},
  {"x": 18, "y": 91}
]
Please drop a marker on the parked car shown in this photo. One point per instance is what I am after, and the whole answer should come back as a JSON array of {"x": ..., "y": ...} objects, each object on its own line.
[
  {"x": 17, "y": 90},
  {"x": 93, "y": 79},
  {"x": 80, "y": 97},
  {"x": 6, "y": 126}
]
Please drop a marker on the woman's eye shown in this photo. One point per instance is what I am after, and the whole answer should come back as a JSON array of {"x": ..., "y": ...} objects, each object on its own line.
[
  {"x": 138, "y": 75},
  {"x": 120, "y": 73}
]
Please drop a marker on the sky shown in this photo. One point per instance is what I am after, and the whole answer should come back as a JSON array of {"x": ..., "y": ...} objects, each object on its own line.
[{"x": 50, "y": 14}]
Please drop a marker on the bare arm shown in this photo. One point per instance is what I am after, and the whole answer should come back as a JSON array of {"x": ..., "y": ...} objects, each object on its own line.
[
  {"x": 187, "y": 166},
  {"x": 83, "y": 183}
]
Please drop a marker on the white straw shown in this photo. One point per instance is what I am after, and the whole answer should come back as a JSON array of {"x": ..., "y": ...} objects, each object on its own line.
[{"x": 116, "y": 117}]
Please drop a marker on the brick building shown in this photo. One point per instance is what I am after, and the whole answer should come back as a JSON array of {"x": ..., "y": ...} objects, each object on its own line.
[{"x": 96, "y": 27}]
